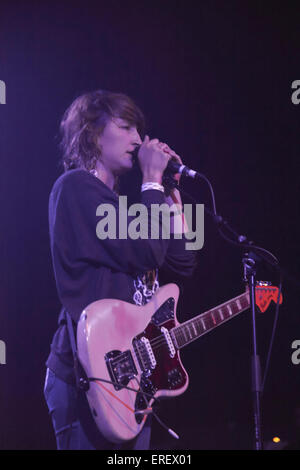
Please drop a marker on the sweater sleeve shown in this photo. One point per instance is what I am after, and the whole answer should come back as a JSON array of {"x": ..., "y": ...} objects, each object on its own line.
[
  {"x": 73, "y": 221},
  {"x": 179, "y": 261}
]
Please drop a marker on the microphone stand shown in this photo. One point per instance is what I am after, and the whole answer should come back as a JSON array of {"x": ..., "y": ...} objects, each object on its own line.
[
  {"x": 249, "y": 277},
  {"x": 249, "y": 268}
]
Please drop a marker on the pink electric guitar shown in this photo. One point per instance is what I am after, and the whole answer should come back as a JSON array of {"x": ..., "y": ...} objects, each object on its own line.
[{"x": 138, "y": 347}]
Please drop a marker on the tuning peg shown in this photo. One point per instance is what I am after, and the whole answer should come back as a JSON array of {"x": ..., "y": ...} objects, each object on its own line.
[{"x": 263, "y": 283}]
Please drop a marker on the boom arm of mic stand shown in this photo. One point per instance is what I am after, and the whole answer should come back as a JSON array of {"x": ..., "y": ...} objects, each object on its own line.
[
  {"x": 241, "y": 241},
  {"x": 249, "y": 261}
]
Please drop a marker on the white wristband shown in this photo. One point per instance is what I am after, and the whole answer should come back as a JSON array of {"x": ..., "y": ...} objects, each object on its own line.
[{"x": 152, "y": 185}]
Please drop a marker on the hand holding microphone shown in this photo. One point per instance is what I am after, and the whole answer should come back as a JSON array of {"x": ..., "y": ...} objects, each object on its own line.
[
  {"x": 152, "y": 159},
  {"x": 174, "y": 163},
  {"x": 170, "y": 166}
]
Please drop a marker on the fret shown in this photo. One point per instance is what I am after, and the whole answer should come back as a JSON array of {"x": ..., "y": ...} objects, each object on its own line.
[
  {"x": 198, "y": 326},
  {"x": 182, "y": 332},
  {"x": 217, "y": 316},
  {"x": 189, "y": 331},
  {"x": 225, "y": 313},
  {"x": 208, "y": 321},
  {"x": 229, "y": 309},
  {"x": 179, "y": 336},
  {"x": 194, "y": 328},
  {"x": 245, "y": 301}
]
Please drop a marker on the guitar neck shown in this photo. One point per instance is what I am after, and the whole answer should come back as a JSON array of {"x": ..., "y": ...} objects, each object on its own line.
[{"x": 200, "y": 325}]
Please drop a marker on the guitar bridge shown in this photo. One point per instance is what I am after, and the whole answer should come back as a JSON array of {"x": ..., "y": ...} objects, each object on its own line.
[{"x": 121, "y": 368}]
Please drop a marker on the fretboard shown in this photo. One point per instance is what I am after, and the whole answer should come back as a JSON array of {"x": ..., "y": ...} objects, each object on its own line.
[{"x": 192, "y": 329}]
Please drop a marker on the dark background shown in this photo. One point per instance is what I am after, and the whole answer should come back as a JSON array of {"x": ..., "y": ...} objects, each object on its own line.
[{"x": 214, "y": 80}]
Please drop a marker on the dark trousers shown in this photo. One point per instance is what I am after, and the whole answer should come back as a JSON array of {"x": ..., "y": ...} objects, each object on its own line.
[{"x": 73, "y": 423}]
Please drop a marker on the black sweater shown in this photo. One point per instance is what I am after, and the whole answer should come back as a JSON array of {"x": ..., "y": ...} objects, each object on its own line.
[{"x": 86, "y": 268}]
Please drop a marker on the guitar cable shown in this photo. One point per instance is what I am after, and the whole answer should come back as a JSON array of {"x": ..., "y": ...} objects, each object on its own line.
[
  {"x": 170, "y": 431},
  {"x": 146, "y": 411}
]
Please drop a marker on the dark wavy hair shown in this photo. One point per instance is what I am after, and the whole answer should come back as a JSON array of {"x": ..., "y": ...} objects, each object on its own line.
[{"x": 85, "y": 119}]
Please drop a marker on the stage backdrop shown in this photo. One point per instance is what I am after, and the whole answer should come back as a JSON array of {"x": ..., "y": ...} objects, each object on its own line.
[{"x": 215, "y": 80}]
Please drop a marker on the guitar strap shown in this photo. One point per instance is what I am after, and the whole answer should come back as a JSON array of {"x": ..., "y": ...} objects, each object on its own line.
[
  {"x": 145, "y": 286},
  {"x": 82, "y": 381}
]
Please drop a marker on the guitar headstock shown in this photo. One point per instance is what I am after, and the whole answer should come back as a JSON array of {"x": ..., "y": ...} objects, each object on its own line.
[{"x": 264, "y": 294}]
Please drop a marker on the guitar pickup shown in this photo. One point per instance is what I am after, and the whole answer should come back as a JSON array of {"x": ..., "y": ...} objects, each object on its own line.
[
  {"x": 169, "y": 341},
  {"x": 144, "y": 354},
  {"x": 121, "y": 368}
]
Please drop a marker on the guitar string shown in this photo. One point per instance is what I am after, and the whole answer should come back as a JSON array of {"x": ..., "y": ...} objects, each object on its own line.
[
  {"x": 160, "y": 340},
  {"x": 204, "y": 317},
  {"x": 156, "y": 344},
  {"x": 179, "y": 330},
  {"x": 179, "y": 334}
]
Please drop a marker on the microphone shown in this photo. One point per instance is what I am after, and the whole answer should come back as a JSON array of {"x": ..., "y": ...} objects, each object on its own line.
[{"x": 173, "y": 167}]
